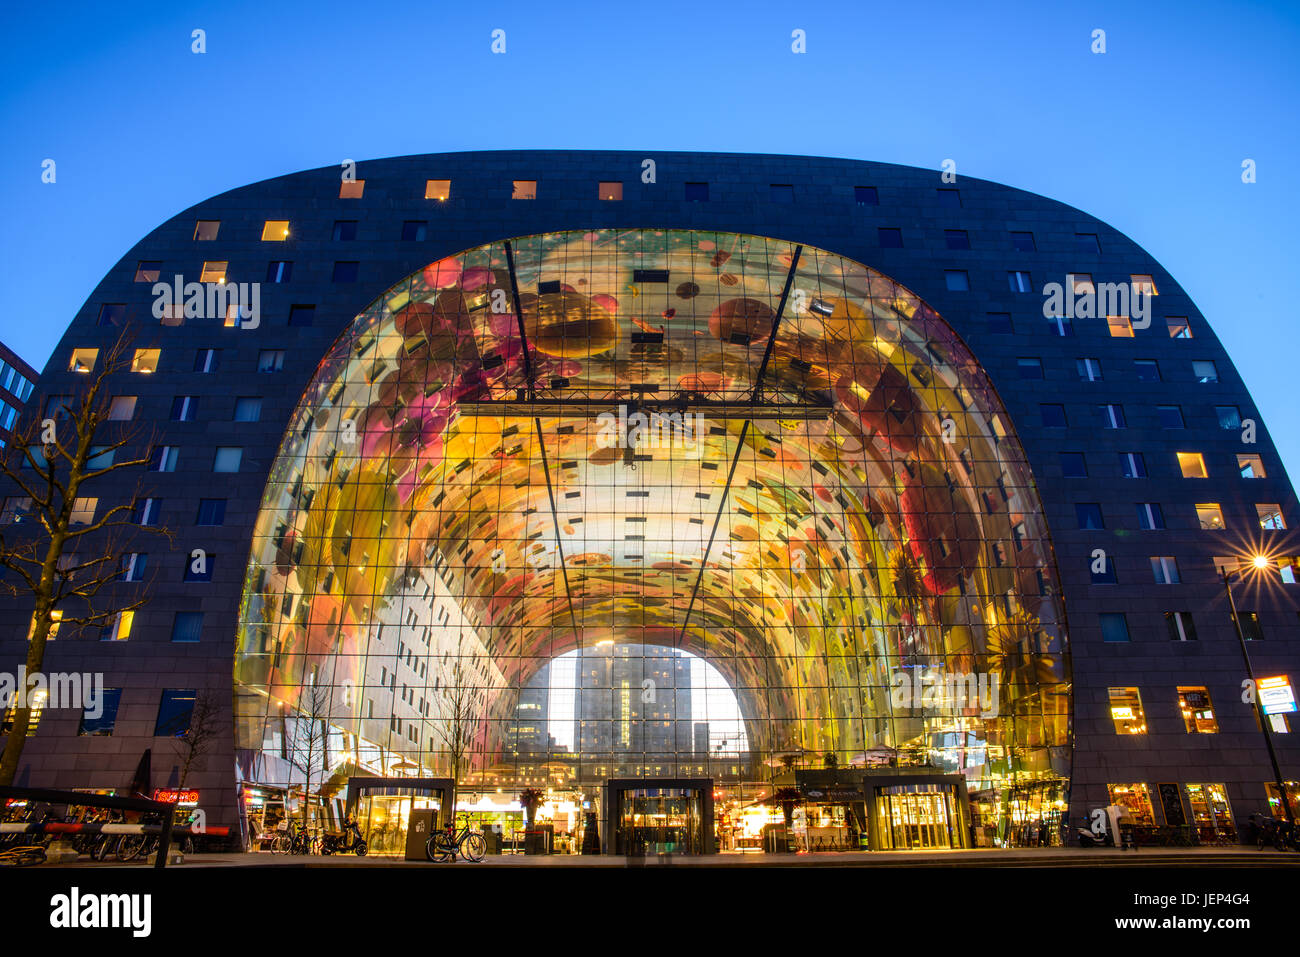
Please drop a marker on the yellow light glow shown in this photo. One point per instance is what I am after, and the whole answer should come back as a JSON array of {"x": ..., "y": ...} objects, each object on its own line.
[{"x": 1261, "y": 561}]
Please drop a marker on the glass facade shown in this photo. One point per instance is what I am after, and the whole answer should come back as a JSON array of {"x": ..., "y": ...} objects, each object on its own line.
[{"x": 658, "y": 505}]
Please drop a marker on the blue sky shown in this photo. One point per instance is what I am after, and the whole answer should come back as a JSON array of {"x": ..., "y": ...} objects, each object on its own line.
[{"x": 1149, "y": 136}]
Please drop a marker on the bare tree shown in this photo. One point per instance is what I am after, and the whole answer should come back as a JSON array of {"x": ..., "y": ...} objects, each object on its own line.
[
  {"x": 204, "y": 729},
  {"x": 307, "y": 740},
  {"x": 64, "y": 458},
  {"x": 461, "y": 715}
]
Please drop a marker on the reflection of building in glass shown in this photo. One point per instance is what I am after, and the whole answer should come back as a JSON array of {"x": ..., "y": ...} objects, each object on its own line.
[{"x": 633, "y": 699}]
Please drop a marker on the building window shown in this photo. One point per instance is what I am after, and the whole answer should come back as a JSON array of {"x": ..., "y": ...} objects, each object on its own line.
[
  {"x": 414, "y": 231},
  {"x": 1270, "y": 517},
  {"x": 302, "y": 315},
  {"x": 1061, "y": 326},
  {"x": 1169, "y": 416},
  {"x": 1198, "y": 712},
  {"x": 102, "y": 726},
  {"x": 1053, "y": 416},
  {"x": 697, "y": 192},
  {"x": 227, "y": 458},
  {"x": 1180, "y": 626},
  {"x": 957, "y": 280},
  {"x": 1073, "y": 465},
  {"x": 1087, "y": 243},
  {"x": 949, "y": 198},
  {"x": 439, "y": 189},
  {"x": 132, "y": 568},
  {"x": 214, "y": 270},
  {"x": 1136, "y": 798},
  {"x": 524, "y": 189},
  {"x": 1023, "y": 242},
  {"x": 352, "y": 188},
  {"x": 1030, "y": 367},
  {"x": 185, "y": 408},
  {"x": 1164, "y": 568},
  {"x": 212, "y": 511},
  {"x": 17, "y": 508},
  {"x": 1112, "y": 416},
  {"x": 163, "y": 458},
  {"x": 1209, "y": 517},
  {"x": 207, "y": 360},
  {"x": 199, "y": 571},
  {"x": 279, "y": 271},
  {"x": 145, "y": 360},
  {"x": 1148, "y": 370},
  {"x": 144, "y": 511},
  {"x": 147, "y": 271},
  {"x": 187, "y": 626},
  {"x": 1089, "y": 369},
  {"x": 83, "y": 360},
  {"x": 345, "y": 230},
  {"x": 1102, "y": 571},
  {"x": 1178, "y": 327},
  {"x": 248, "y": 408},
  {"x": 1229, "y": 417},
  {"x": 1019, "y": 281},
  {"x": 275, "y": 230},
  {"x": 1082, "y": 283},
  {"x": 270, "y": 360},
  {"x": 866, "y": 196},
  {"x": 956, "y": 239},
  {"x": 174, "y": 712},
  {"x": 1132, "y": 465},
  {"x": 83, "y": 510},
  {"x": 122, "y": 408},
  {"x": 999, "y": 323},
  {"x": 1126, "y": 711},
  {"x": 1121, "y": 327},
  {"x": 1250, "y": 466},
  {"x": 782, "y": 193},
  {"x": 1192, "y": 465},
  {"x": 1089, "y": 515},
  {"x": 206, "y": 229},
  {"x": 1205, "y": 371},
  {"x": 889, "y": 237},
  {"x": 112, "y": 314},
  {"x": 1250, "y": 626},
  {"x": 1143, "y": 284},
  {"x": 346, "y": 271}
]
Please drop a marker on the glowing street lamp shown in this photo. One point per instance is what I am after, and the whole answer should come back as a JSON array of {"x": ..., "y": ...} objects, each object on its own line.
[{"x": 1257, "y": 562}]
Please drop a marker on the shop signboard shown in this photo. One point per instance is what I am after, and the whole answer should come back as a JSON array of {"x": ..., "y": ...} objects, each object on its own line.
[
  {"x": 1276, "y": 696},
  {"x": 186, "y": 796}
]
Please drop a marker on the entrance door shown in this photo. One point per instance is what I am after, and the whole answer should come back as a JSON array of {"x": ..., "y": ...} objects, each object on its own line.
[
  {"x": 913, "y": 818},
  {"x": 660, "y": 821},
  {"x": 383, "y": 819}
]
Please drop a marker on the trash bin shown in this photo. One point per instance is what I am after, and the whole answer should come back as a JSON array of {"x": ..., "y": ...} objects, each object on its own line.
[
  {"x": 493, "y": 837},
  {"x": 776, "y": 839},
  {"x": 418, "y": 828}
]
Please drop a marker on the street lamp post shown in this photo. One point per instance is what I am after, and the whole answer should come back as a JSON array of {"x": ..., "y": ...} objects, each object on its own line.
[{"x": 1259, "y": 707}]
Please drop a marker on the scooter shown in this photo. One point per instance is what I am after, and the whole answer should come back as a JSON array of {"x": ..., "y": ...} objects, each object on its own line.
[
  {"x": 1087, "y": 838},
  {"x": 349, "y": 840}
]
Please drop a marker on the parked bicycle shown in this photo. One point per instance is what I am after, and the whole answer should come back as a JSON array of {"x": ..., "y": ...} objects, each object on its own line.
[{"x": 446, "y": 843}]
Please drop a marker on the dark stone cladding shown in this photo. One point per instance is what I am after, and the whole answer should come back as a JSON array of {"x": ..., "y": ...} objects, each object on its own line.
[{"x": 824, "y": 214}]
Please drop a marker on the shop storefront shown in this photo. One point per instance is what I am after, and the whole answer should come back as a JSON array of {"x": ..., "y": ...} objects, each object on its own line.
[{"x": 659, "y": 816}]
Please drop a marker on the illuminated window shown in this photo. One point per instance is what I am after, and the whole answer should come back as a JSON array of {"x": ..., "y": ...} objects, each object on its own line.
[
  {"x": 1251, "y": 466},
  {"x": 173, "y": 313},
  {"x": 1126, "y": 711},
  {"x": 214, "y": 271},
  {"x": 439, "y": 189},
  {"x": 1178, "y": 327},
  {"x": 1164, "y": 569},
  {"x": 1192, "y": 465},
  {"x": 1083, "y": 284},
  {"x": 148, "y": 271},
  {"x": 1198, "y": 712},
  {"x": 1136, "y": 799},
  {"x": 83, "y": 510},
  {"x": 1121, "y": 327},
  {"x": 1143, "y": 284},
  {"x": 206, "y": 229},
  {"x": 145, "y": 360},
  {"x": 352, "y": 188},
  {"x": 1179, "y": 625},
  {"x": 119, "y": 627},
  {"x": 1270, "y": 517},
  {"x": 275, "y": 230},
  {"x": 83, "y": 360},
  {"x": 524, "y": 189},
  {"x": 1210, "y": 517}
]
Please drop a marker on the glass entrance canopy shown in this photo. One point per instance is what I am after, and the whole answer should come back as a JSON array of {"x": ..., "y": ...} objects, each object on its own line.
[{"x": 698, "y": 446}]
